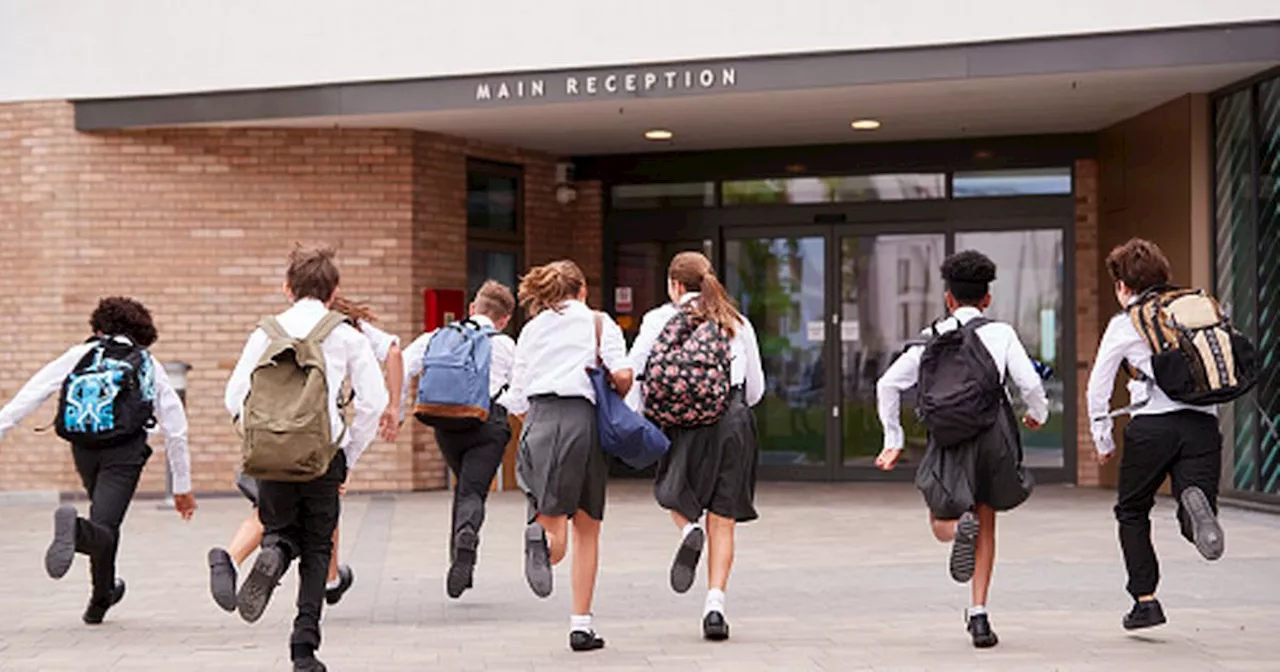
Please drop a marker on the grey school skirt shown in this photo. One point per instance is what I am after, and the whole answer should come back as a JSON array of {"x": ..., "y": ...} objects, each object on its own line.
[
  {"x": 712, "y": 468},
  {"x": 560, "y": 466}
]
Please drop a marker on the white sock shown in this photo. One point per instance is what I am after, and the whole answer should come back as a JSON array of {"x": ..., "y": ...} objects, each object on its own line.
[
  {"x": 715, "y": 601},
  {"x": 977, "y": 610},
  {"x": 689, "y": 527},
  {"x": 331, "y": 585},
  {"x": 580, "y": 623}
]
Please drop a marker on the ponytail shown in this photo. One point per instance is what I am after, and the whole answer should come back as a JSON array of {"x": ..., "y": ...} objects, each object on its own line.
[
  {"x": 355, "y": 311},
  {"x": 547, "y": 287},
  {"x": 693, "y": 270}
]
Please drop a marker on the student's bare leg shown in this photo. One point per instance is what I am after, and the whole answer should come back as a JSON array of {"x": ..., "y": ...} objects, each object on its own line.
[
  {"x": 720, "y": 534},
  {"x": 557, "y": 529},
  {"x": 985, "y": 555},
  {"x": 943, "y": 530},
  {"x": 679, "y": 520},
  {"x": 247, "y": 539},
  {"x": 333, "y": 559},
  {"x": 586, "y": 561}
]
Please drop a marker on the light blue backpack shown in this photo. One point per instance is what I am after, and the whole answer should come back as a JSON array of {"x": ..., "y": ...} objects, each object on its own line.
[{"x": 453, "y": 385}]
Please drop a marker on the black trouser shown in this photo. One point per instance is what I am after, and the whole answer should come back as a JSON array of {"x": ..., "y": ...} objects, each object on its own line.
[
  {"x": 1186, "y": 445},
  {"x": 110, "y": 476},
  {"x": 474, "y": 456},
  {"x": 299, "y": 519}
]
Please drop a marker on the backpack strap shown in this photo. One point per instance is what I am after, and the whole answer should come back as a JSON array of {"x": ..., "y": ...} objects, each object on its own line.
[
  {"x": 325, "y": 326},
  {"x": 599, "y": 322},
  {"x": 975, "y": 324},
  {"x": 272, "y": 327}
]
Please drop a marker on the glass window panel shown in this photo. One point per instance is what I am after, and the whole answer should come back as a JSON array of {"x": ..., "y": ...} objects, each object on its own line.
[
  {"x": 492, "y": 201},
  {"x": 1023, "y": 182},
  {"x": 1267, "y": 281},
  {"x": 484, "y": 265},
  {"x": 849, "y": 189},
  {"x": 653, "y": 196}
]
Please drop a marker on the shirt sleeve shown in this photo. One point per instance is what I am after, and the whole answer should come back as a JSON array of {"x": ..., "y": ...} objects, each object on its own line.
[
  {"x": 238, "y": 386},
  {"x": 1030, "y": 386},
  {"x": 412, "y": 367},
  {"x": 379, "y": 339},
  {"x": 173, "y": 420},
  {"x": 613, "y": 347},
  {"x": 1111, "y": 352},
  {"x": 517, "y": 402},
  {"x": 902, "y": 375},
  {"x": 43, "y": 385},
  {"x": 650, "y": 327},
  {"x": 371, "y": 397},
  {"x": 754, "y": 368},
  {"x": 501, "y": 366}
]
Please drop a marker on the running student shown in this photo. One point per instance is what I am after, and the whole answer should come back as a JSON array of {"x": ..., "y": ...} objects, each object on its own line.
[
  {"x": 108, "y": 440},
  {"x": 1165, "y": 438},
  {"x": 710, "y": 469},
  {"x": 474, "y": 455},
  {"x": 560, "y": 465},
  {"x": 264, "y": 393},
  {"x": 996, "y": 481},
  {"x": 223, "y": 563}
]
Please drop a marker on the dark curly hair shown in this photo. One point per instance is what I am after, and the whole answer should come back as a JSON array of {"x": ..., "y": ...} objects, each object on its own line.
[
  {"x": 122, "y": 316},
  {"x": 968, "y": 275}
]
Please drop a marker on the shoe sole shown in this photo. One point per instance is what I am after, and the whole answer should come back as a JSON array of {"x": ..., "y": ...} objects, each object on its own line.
[
  {"x": 716, "y": 633},
  {"x": 595, "y": 645},
  {"x": 256, "y": 591},
  {"x": 985, "y": 642},
  {"x": 964, "y": 549},
  {"x": 1205, "y": 528},
  {"x": 537, "y": 572},
  {"x": 222, "y": 586},
  {"x": 463, "y": 566},
  {"x": 684, "y": 569},
  {"x": 1145, "y": 626},
  {"x": 62, "y": 550},
  {"x": 346, "y": 579}
]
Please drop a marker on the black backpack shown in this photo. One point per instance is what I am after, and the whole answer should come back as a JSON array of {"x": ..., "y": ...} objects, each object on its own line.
[
  {"x": 959, "y": 390},
  {"x": 109, "y": 397}
]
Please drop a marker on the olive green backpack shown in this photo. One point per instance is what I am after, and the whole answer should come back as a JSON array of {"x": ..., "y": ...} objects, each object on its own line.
[{"x": 287, "y": 433}]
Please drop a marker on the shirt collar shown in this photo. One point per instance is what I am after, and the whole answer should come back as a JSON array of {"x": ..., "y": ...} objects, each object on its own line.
[
  {"x": 483, "y": 320},
  {"x": 966, "y": 313}
]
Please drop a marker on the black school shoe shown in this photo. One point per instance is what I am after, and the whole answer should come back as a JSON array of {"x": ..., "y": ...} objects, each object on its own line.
[
  {"x": 715, "y": 627},
  {"x": 62, "y": 550},
  {"x": 684, "y": 568},
  {"x": 256, "y": 591},
  {"x": 537, "y": 561},
  {"x": 462, "y": 569},
  {"x": 222, "y": 579},
  {"x": 585, "y": 641},
  {"x": 1145, "y": 614},
  {"x": 1205, "y": 529},
  {"x": 964, "y": 549},
  {"x": 95, "y": 612},
  {"x": 346, "y": 578},
  {"x": 980, "y": 629},
  {"x": 310, "y": 664}
]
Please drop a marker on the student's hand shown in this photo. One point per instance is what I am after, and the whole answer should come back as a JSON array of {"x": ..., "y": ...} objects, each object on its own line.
[
  {"x": 342, "y": 489},
  {"x": 888, "y": 458},
  {"x": 1031, "y": 422},
  {"x": 185, "y": 505},
  {"x": 389, "y": 425},
  {"x": 1104, "y": 458}
]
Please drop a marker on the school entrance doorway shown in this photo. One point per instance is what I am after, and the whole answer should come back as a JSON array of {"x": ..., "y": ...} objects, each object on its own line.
[{"x": 835, "y": 291}]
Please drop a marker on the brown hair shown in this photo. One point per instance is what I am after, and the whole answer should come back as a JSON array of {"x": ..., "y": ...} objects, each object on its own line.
[
  {"x": 356, "y": 311},
  {"x": 1140, "y": 265},
  {"x": 312, "y": 273},
  {"x": 550, "y": 285},
  {"x": 122, "y": 316},
  {"x": 494, "y": 300},
  {"x": 693, "y": 270}
]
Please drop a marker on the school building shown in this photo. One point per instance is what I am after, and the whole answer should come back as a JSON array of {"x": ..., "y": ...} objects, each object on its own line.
[{"x": 827, "y": 155}]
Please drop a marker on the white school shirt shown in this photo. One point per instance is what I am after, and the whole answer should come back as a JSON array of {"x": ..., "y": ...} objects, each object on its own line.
[
  {"x": 347, "y": 354},
  {"x": 1006, "y": 350},
  {"x": 502, "y": 360},
  {"x": 744, "y": 351},
  {"x": 168, "y": 407},
  {"x": 556, "y": 347},
  {"x": 1121, "y": 342},
  {"x": 380, "y": 340}
]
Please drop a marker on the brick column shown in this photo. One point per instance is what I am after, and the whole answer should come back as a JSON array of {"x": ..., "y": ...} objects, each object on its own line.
[{"x": 1088, "y": 473}]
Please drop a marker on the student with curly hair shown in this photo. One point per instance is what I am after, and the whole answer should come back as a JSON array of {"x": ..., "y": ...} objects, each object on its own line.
[
  {"x": 112, "y": 390},
  {"x": 995, "y": 481}
]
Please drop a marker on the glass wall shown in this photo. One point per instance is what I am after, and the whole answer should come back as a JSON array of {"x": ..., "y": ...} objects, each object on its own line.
[{"x": 1247, "y": 269}]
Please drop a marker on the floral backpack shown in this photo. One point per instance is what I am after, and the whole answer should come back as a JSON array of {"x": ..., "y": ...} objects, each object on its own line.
[{"x": 686, "y": 379}]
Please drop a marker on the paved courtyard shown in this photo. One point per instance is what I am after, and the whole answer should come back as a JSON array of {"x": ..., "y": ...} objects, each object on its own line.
[{"x": 833, "y": 577}]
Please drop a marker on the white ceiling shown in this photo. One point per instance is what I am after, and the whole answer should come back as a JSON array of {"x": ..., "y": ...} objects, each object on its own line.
[{"x": 922, "y": 110}]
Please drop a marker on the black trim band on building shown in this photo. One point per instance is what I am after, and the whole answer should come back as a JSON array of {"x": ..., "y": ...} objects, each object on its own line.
[{"x": 1247, "y": 43}]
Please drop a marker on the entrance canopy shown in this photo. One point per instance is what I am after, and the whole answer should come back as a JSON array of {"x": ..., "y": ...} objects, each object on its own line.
[{"x": 1063, "y": 85}]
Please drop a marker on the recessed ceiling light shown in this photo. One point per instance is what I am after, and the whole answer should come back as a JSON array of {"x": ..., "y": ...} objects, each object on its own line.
[
  {"x": 794, "y": 167},
  {"x": 865, "y": 124},
  {"x": 658, "y": 134}
]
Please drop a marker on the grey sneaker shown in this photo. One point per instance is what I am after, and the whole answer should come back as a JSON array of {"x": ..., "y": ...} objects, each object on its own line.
[
  {"x": 62, "y": 550},
  {"x": 537, "y": 560},
  {"x": 1205, "y": 529}
]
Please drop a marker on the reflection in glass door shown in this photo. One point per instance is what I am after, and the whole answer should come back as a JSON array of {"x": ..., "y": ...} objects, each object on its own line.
[
  {"x": 889, "y": 290},
  {"x": 1028, "y": 293},
  {"x": 779, "y": 284}
]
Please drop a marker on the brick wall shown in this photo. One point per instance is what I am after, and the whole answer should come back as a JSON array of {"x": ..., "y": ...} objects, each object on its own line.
[
  {"x": 197, "y": 224},
  {"x": 1088, "y": 307}
]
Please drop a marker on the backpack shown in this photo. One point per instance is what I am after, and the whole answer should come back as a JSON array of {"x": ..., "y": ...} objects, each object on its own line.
[
  {"x": 453, "y": 388},
  {"x": 1197, "y": 356},
  {"x": 960, "y": 391},
  {"x": 109, "y": 397},
  {"x": 686, "y": 378},
  {"x": 286, "y": 423}
]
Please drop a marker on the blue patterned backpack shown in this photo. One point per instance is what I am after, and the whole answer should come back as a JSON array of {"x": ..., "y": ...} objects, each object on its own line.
[{"x": 109, "y": 397}]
